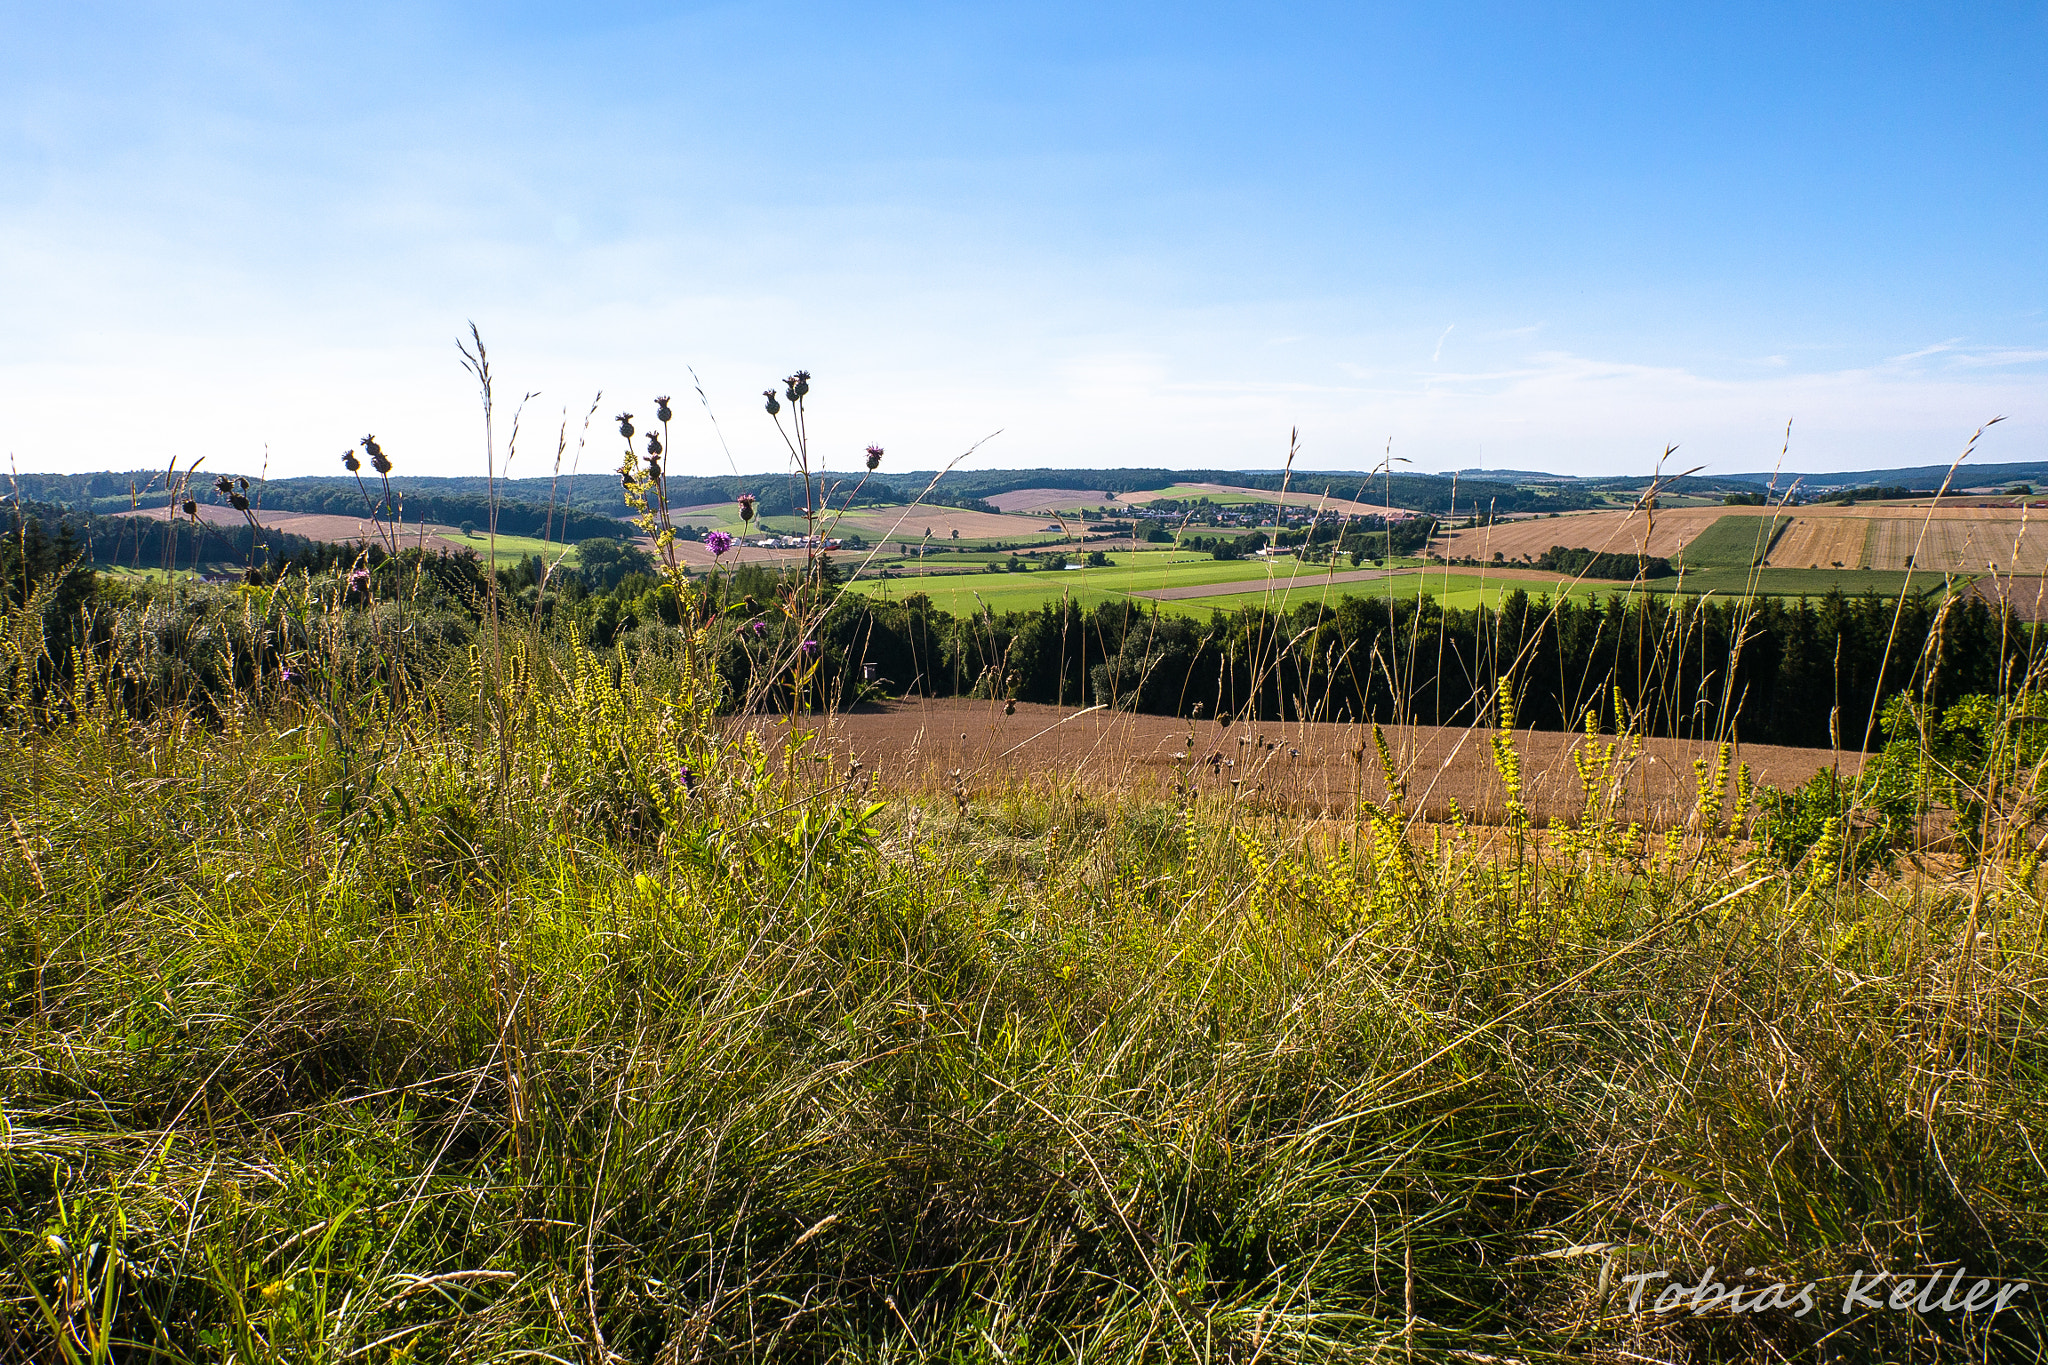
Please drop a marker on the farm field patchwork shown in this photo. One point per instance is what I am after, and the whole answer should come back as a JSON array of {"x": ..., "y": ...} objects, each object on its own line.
[{"x": 1957, "y": 538}]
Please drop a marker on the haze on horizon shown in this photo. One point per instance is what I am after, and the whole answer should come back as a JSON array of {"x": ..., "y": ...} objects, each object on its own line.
[{"x": 1126, "y": 235}]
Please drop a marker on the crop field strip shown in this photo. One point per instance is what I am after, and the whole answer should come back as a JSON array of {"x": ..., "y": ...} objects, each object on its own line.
[{"x": 1959, "y": 538}]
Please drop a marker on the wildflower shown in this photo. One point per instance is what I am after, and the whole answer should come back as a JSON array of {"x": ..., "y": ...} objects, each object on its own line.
[
  {"x": 747, "y": 501},
  {"x": 350, "y": 462},
  {"x": 661, "y": 412},
  {"x": 286, "y": 675},
  {"x": 773, "y": 406},
  {"x": 689, "y": 780},
  {"x": 358, "y": 578},
  {"x": 797, "y": 385},
  {"x": 653, "y": 444},
  {"x": 809, "y": 649},
  {"x": 718, "y": 542},
  {"x": 625, "y": 421},
  {"x": 874, "y": 457},
  {"x": 223, "y": 485},
  {"x": 378, "y": 461},
  {"x": 760, "y": 628},
  {"x": 190, "y": 508}
]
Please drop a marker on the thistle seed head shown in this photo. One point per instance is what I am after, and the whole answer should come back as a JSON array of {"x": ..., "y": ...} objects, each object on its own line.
[{"x": 661, "y": 411}]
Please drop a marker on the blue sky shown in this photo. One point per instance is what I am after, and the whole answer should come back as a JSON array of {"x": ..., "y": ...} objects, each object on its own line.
[{"x": 1531, "y": 237}]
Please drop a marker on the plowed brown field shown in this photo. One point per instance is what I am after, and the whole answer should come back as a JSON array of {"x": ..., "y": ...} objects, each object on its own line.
[
  {"x": 1304, "y": 768},
  {"x": 895, "y": 524},
  {"x": 1047, "y": 499}
]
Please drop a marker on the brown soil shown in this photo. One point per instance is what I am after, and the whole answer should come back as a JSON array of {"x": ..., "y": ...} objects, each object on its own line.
[
  {"x": 896, "y": 524},
  {"x": 1303, "y": 768},
  {"x": 327, "y": 526}
]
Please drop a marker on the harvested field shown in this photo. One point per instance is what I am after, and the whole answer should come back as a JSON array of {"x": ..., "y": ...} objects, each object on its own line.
[
  {"x": 1048, "y": 499},
  {"x": 1613, "y": 532},
  {"x": 323, "y": 526},
  {"x": 1963, "y": 543},
  {"x": 1822, "y": 543},
  {"x": 1296, "y": 497},
  {"x": 1302, "y": 768}
]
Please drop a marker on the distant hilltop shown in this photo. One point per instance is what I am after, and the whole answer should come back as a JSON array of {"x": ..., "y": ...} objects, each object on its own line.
[
  {"x": 1523, "y": 475},
  {"x": 1930, "y": 476}
]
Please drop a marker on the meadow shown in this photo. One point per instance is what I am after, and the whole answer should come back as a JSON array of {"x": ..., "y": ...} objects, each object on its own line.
[
  {"x": 1131, "y": 571},
  {"x": 393, "y": 974}
]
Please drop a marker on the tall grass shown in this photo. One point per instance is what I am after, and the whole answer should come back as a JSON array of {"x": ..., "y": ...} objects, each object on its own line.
[{"x": 537, "y": 1009}]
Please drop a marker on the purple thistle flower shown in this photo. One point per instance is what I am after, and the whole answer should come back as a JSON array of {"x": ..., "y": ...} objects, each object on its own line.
[
  {"x": 358, "y": 578},
  {"x": 718, "y": 542},
  {"x": 760, "y": 628},
  {"x": 286, "y": 675},
  {"x": 809, "y": 649},
  {"x": 689, "y": 780}
]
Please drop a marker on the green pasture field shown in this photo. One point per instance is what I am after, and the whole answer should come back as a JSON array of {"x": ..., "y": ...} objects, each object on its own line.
[
  {"x": 1736, "y": 582},
  {"x": 1130, "y": 571},
  {"x": 512, "y": 549},
  {"x": 1465, "y": 590},
  {"x": 1462, "y": 589}
]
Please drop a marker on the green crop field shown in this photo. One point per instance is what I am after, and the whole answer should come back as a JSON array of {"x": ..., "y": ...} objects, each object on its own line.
[{"x": 1734, "y": 542}]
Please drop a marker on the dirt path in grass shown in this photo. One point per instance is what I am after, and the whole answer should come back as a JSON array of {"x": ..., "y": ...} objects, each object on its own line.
[{"x": 1309, "y": 768}]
